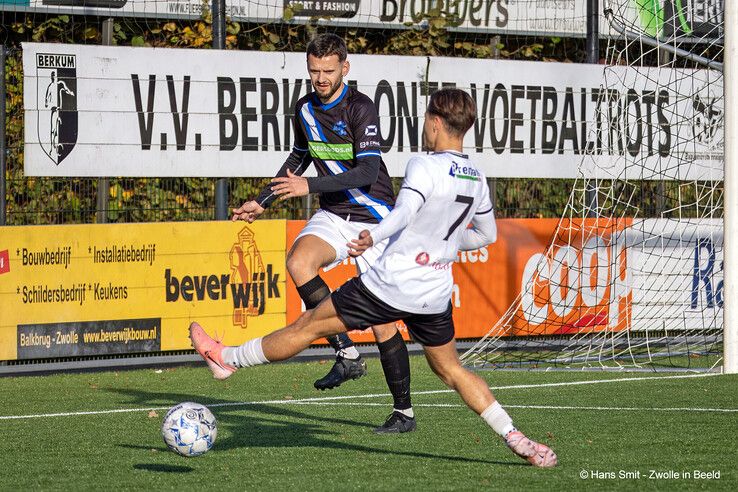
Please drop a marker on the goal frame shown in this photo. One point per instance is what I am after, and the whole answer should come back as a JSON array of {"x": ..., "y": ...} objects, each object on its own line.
[{"x": 730, "y": 214}]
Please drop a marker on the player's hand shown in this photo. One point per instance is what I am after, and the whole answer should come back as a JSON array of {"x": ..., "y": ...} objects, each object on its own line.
[
  {"x": 249, "y": 211},
  {"x": 290, "y": 186},
  {"x": 358, "y": 246}
]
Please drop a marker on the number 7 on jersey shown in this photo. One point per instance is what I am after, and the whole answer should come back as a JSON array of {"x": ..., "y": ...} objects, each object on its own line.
[{"x": 460, "y": 199}]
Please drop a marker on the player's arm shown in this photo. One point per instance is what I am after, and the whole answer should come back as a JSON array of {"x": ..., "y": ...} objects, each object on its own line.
[
  {"x": 364, "y": 174},
  {"x": 416, "y": 187},
  {"x": 482, "y": 232},
  {"x": 484, "y": 227},
  {"x": 295, "y": 164},
  {"x": 364, "y": 126}
]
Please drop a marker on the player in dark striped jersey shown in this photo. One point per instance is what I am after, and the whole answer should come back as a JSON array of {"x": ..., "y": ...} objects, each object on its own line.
[{"x": 337, "y": 130}]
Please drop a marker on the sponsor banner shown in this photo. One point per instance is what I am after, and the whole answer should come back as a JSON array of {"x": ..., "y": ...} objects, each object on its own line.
[
  {"x": 677, "y": 274},
  {"x": 90, "y": 338},
  {"x": 98, "y": 289},
  {"x": 542, "y": 17},
  {"x": 487, "y": 281},
  {"x": 599, "y": 275},
  {"x": 141, "y": 112},
  {"x": 686, "y": 21},
  {"x": 131, "y": 288},
  {"x": 695, "y": 20},
  {"x": 582, "y": 284}
]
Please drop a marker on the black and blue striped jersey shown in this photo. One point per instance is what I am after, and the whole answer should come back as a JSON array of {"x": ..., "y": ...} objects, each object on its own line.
[{"x": 342, "y": 140}]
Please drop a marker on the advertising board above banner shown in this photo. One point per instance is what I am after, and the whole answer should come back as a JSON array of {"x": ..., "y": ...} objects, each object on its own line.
[
  {"x": 535, "y": 17},
  {"x": 114, "y": 111},
  {"x": 693, "y": 21}
]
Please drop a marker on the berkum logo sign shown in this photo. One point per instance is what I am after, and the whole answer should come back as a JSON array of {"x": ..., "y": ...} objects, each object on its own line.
[
  {"x": 249, "y": 282},
  {"x": 56, "y": 95}
]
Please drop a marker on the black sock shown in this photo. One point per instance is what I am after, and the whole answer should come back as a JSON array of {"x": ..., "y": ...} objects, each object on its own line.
[
  {"x": 312, "y": 293},
  {"x": 396, "y": 366}
]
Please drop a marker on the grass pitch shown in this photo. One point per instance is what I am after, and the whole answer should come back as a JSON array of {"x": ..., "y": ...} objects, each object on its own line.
[{"x": 624, "y": 431}]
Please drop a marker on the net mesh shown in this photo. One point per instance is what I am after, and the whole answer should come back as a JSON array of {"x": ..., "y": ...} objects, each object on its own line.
[{"x": 633, "y": 276}]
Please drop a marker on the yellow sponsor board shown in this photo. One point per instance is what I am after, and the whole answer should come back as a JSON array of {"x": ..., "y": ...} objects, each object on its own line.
[{"x": 77, "y": 290}]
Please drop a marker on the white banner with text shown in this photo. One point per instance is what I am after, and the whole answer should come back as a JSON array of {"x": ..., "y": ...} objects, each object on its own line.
[{"x": 120, "y": 111}]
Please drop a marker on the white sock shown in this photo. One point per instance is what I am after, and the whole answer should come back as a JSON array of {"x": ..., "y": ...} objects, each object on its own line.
[
  {"x": 349, "y": 353},
  {"x": 246, "y": 355},
  {"x": 408, "y": 412},
  {"x": 497, "y": 418}
]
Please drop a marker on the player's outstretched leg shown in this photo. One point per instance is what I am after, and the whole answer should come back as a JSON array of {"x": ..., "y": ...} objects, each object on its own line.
[
  {"x": 211, "y": 350},
  {"x": 278, "y": 345},
  {"x": 444, "y": 361}
]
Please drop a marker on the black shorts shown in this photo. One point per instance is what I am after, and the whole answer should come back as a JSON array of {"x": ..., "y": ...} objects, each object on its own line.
[{"x": 359, "y": 309}]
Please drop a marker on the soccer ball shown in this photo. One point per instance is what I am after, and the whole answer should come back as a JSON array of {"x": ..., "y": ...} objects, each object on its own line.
[{"x": 189, "y": 429}]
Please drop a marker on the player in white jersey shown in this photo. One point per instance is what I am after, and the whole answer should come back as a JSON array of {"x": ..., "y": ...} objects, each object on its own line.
[
  {"x": 412, "y": 279},
  {"x": 414, "y": 273}
]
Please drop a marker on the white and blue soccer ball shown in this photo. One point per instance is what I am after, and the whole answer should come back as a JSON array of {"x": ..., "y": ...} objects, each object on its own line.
[{"x": 189, "y": 429}]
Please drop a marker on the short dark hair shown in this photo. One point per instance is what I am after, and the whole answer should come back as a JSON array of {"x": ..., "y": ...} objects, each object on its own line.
[
  {"x": 328, "y": 44},
  {"x": 455, "y": 107}
]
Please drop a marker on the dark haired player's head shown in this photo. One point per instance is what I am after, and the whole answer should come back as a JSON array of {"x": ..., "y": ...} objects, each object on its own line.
[
  {"x": 450, "y": 114},
  {"x": 324, "y": 45},
  {"x": 327, "y": 66},
  {"x": 456, "y": 108}
]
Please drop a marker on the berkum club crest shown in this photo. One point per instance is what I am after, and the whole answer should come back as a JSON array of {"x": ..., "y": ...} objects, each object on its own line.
[{"x": 56, "y": 96}]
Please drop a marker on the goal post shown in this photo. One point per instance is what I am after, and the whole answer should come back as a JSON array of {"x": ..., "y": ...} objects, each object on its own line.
[
  {"x": 730, "y": 349},
  {"x": 638, "y": 278}
]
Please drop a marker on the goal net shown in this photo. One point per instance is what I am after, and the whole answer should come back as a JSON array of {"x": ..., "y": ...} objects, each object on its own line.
[{"x": 633, "y": 276}]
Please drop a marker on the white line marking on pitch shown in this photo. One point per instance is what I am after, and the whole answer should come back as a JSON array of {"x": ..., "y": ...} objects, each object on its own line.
[
  {"x": 534, "y": 407},
  {"x": 329, "y": 399}
]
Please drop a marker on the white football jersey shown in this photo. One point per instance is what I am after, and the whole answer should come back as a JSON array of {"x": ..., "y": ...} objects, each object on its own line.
[{"x": 447, "y": 192}]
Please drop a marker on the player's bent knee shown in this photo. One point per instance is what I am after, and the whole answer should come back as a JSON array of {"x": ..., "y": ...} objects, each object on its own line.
[
  {"x": 297, "y": 266},
  {"x": 443, "y": 374},
  {"x": 448, "y": 372},
  {"x": 384, "y": 332}
]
